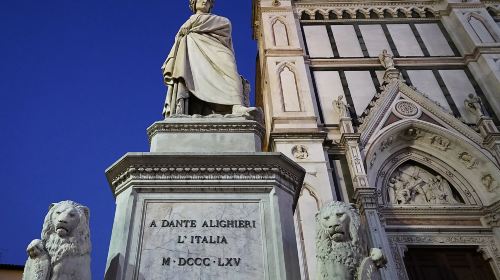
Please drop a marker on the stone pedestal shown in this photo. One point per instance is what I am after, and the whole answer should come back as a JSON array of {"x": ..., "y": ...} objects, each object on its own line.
[
  {"x": 206, "y": 135},
  {"x": 207, "y": 214}
]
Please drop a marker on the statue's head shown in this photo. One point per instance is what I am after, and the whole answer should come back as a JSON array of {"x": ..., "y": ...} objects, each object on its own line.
[
  {"x": 66, "y": 230},
  {"x": 66, "y": 219},
  {"x": 339, "y": 221},
  {"x": 204, "y": 6},
  {"x": 35, "y": 249},
  {"x": 339, "y": 238}
]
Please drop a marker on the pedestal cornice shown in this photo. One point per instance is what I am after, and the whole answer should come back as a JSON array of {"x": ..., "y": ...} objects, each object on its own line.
[
  {"x": 230, "y": 172},
  {"x": 206, "y": 125}
]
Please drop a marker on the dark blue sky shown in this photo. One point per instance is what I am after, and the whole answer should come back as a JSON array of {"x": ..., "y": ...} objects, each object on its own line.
[{"x": 80, "y": 82}]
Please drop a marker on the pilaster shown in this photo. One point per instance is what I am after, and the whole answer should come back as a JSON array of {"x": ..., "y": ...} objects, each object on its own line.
[
  {"x": 477, "y": 36},
  {"x": 491, "y": 136},
  {"x": 365, "y": 195}
]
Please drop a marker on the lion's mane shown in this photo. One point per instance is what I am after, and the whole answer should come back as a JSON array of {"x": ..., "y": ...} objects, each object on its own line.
[
  {"x": 348, "y": 253},
  {"x": 77, "y": 244}
]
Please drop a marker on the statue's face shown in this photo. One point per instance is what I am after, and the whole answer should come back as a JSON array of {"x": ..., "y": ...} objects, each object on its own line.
[
  {"x": 35, "y": 249},
  {"x": 337, "y": 225},
  {"x": 203, "y": 6},
  {"x": 65, "y": 219}
]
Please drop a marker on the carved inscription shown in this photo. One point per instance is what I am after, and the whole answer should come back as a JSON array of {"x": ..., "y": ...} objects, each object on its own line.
[{"x": 201, "y": 240}]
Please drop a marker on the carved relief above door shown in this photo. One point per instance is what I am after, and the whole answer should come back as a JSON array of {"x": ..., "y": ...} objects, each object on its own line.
[{"x": 414, "y": 184}]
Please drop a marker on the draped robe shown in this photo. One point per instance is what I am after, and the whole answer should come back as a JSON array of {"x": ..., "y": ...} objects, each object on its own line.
[{"x": 202, "y": 63}]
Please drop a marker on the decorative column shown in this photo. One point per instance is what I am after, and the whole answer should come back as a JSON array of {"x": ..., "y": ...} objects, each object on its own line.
[{"x": 364, "y": 195}]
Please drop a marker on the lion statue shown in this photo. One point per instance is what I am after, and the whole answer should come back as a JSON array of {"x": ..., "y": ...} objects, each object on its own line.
[
  {"x": 63, "y": 253},
  {"x": 340, "y": 243}
]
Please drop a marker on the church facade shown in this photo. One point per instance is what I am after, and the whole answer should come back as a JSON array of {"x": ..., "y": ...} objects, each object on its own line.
[{"x": 409, "y": 135}]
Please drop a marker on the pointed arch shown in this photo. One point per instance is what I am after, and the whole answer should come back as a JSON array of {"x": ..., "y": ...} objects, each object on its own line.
[
  {"x": 464, "y": 192},
  {"x": 375, "y": 13},
  {"x": 401, "y": 13},
  {"x": 481, "y": 28},
  {"x": 332, "y": 15},
  {"x": 430, "y": 13},
  {"x": 318, "y": 15},
  {"x": 305, "y": 15},
  {"x": 289, "y": 87},
  {"x": 446, "y": 150},
  {"x": 305, "y": 224},
  {"x": 280, "y": 32},
  {"x": 390, "y": 13},
  {"x": 346, "y": 14}
]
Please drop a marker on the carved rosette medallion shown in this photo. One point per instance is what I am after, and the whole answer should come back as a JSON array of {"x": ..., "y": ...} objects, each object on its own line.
[
  {"x": 300, "y": 152},
  {"x": 406, "y": 109}
]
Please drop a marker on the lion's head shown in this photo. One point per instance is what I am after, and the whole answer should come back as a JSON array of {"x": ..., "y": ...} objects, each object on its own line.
[
  {"x": 339, "y": 222},
  {"x": 338, "y": 235},
  {"x": 66, "y": 230}
]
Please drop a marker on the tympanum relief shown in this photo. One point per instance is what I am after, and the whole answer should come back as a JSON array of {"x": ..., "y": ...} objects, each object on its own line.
[{"x": 412, "y": 184}]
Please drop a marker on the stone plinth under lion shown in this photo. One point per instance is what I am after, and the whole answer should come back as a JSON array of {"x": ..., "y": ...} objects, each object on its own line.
[
  {"x": 63, "y": 253},
  {"x": 340, "y": 247}
]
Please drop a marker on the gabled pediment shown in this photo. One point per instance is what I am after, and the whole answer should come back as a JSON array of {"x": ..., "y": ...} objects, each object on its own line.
[{"x": 399, "y": 102}]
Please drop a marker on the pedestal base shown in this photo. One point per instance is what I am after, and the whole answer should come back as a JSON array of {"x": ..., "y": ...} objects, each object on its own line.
[
  {"x": 208, "y": 216},
  {"x": 205, "y": 135}
]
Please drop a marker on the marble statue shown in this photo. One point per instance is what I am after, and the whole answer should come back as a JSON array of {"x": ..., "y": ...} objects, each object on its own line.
[
  {"x": 340, "y": 246},
  {"x": 398, "y": 191},
  {"x": 414, "y": 185},
  {"x": 200, "y": 70},
  {"x": 342, "y": 107},
  {"x": 63, "y": 253},
  {"x": 474, "y": 105},
  {"x": 387, "y": 60}
]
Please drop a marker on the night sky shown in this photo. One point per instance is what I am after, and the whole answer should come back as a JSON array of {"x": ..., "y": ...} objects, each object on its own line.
[{"x": 80, "y": 82}]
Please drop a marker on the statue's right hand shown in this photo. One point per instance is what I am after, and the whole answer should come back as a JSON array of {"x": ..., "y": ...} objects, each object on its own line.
[{"x": 184, "y": 31}]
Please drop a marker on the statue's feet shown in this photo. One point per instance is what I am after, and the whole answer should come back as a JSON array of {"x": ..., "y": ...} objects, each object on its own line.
[{"x": 253, "y": 113}]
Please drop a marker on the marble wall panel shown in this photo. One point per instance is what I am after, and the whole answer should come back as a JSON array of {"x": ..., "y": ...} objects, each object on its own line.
[
  {"x": 289, "y": 90},
  {"x": 308, "y": 207},
  {"x": 425, "y": 81},
  {"x": 280, "y": 33},
  {"x": 361, "y": 88},
  {"x": 405, "y": 41},
  {"x": 347, "y": 41},
  {"x": 459, "y": 86},
  {"x": 481, "y": 31},
  {"x": 329, "y": 88},
  {"x": 434, "y": 40},
  {"x": 317, "y": 41},
  {"x": 375, "y": 39}
]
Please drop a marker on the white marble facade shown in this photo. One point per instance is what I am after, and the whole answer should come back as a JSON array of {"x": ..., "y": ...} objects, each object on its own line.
[{"x": 412, "y": 145}]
